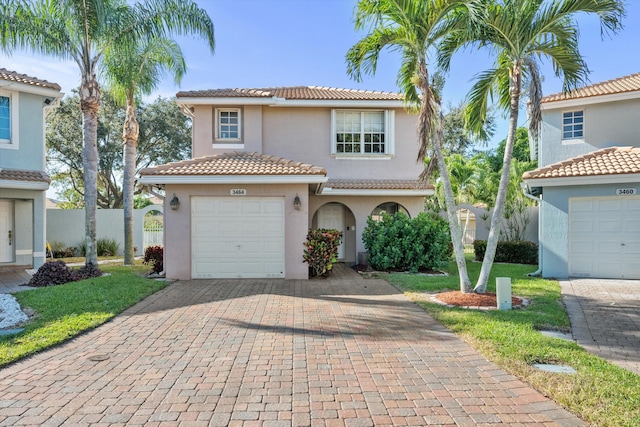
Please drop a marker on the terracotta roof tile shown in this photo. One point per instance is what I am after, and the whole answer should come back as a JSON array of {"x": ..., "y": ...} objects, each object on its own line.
[
  {"x": 12, "y": 76},
  {"x": 630, "y": 83},
  {"x": 295, "y": 92},
  {"x": 235, "y": 164},
  {"x": 377, "y": 184},
  {"x": 607, "y": 161},
  {"x": 24, "y": 175}
]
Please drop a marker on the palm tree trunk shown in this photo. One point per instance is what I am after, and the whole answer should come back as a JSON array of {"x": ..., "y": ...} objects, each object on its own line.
[
  {"x": 130, "y": 133},
  {"x": 89, "y": 105},
  {"x": 496, "y": 218},
  {"x": 454, "y": 225}
]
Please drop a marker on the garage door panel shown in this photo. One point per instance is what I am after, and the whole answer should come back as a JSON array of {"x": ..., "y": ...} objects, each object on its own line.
[
  {"x": 604, "y": 237},
  {"x": 237, "y": 237}
]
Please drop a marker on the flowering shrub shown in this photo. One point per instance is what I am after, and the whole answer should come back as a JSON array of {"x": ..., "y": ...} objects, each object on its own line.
[
  {"x": 321, "y": 250},
  {"x": 154, "y": 255}
]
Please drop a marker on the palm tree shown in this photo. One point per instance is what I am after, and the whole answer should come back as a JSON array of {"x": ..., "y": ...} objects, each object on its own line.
[
  {"x": 413, "y": 27},
  {"x": 129, "y": 72},
  {"x": 83, "y": 31},
  {"x": 521, "y": 33}
]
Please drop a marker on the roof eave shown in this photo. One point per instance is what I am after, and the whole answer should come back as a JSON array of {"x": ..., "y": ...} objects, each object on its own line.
[
  {"x": 23, "y": 185},
  {"x": 377, "y": 192},
  {"x": 232, "y": 179},
  {"x": 282, "y": 102},
  {"x": 583, "y": 180},
  {"x": 589, "y": 100},
  {"x": 27, "y": 88}
]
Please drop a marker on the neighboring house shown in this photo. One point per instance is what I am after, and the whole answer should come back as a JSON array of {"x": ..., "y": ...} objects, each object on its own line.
[
  {"x": 271, "y": 163},
  {"x": 24, "y": 102},
  {"x": 589, "y": 181}
]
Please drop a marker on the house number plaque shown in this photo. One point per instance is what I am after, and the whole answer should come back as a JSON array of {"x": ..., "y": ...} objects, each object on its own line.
[
  {"x": 626, "y": 191},
  {"x": 238, "y": 192}
]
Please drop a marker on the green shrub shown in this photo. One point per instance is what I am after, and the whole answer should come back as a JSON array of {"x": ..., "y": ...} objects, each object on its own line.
[
  {"x": 321, "y": 250},
  {"x": 398, "y": 243},
  {"x": 516, "y": 252},
  {"x": 60, "y": 250},
  {"x": 104, "y": 247},
  {"x": 154, "y": 255}
]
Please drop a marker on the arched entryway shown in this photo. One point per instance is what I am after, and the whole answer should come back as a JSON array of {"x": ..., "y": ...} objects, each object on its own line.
[
  {"x": 153, "y": 228},
  {"x": 339, "y": 217}
]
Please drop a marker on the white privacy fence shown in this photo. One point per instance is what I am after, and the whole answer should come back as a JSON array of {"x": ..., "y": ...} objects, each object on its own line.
[{"x": 66, "y": 226}]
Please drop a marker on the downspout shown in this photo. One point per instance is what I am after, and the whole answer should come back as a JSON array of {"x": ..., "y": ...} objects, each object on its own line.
[{"x": 525, "y": 191}]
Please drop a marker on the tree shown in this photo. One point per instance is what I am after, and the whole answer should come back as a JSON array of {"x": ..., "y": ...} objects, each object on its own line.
[
  {"x": 521, "y": 33},
  {"x": 457, "y": 140},
  {"x": 83, "y": 31},
  {"x": 131, "y": 71},
  {"x": 413, "y": 27},
  {"x": 165, "y": 136}
]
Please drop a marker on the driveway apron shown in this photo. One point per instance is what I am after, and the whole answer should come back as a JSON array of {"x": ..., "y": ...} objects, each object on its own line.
[
  {"x": 605, "y": 318},
  {"x": 341, "y": 351}
]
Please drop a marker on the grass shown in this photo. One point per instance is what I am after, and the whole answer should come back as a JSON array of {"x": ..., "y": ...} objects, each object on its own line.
[
  {"x": 600, "y": 393},
  {"x": 65, "y": 311}
]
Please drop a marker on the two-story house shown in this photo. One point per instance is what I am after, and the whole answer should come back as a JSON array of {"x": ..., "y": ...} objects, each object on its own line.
[
  {"x": 271, "y": 163},
  {"x": 24, "y": 101},
  {"x": 589, "y": 181}
]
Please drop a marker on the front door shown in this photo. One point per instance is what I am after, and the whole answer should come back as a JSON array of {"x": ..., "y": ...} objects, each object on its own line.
[
  {"x": 331, "y": 216},
  {"x": 7, "y": 238}
]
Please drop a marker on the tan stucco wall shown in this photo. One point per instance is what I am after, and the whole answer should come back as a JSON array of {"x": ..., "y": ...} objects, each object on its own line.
[
  {"x": 361, "y": 207},
  {"x": 304, "y": 134},
  {"x": 177, "y": 255}
]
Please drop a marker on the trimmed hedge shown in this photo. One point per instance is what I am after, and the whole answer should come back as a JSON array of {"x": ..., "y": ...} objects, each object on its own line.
[
  {"x": 513, "y": 252},
  {"x": 398, "y": 243}
]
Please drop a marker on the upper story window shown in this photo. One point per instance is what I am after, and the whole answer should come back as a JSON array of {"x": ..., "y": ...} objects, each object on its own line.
[
  {"x": 228, "y": 125},
  {"x": 367, "y": 133},
  {"x": 8, "y": 120},
  {"x": 573, "y": 125}
]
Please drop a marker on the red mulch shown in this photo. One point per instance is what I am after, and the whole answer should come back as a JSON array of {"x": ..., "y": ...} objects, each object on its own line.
[{"x": 459, "y": 299}]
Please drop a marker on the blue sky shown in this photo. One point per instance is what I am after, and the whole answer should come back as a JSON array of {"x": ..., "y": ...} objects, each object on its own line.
[{"x": 266, "y": 43}]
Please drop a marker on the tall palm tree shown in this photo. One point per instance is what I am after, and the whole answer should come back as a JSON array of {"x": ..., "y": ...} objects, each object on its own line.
[
  {"x": 521, "y": 33},
  {"x": 130, "y": 72},
  {"x": 82, "y": 30},
  {"x": 413, "y": 27}
]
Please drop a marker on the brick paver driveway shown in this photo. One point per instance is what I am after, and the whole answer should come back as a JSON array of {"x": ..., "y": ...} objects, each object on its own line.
[{"x": 342, "y": 351}]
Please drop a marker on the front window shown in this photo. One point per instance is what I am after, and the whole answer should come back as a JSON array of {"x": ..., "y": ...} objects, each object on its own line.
[
  {"x": 228, "y": 124},
  {"x": 5, "y": 119},
  {"x": 389, "y": 208},
  {"x": 573, "y": 125},
  {"x": 361, "y": 132},
  {"x": 8, "y": 120}
]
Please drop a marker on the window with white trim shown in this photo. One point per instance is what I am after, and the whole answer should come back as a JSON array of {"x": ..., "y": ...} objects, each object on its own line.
[
  {"x": 573, "y": 125},
  {"x": 362, "y": 132},
  {"x": 228, "y": 124},
  {"x": 8, "y": 120}
]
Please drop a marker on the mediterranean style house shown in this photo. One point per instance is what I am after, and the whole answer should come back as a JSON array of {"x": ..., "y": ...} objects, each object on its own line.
[
  {"x": 268, "y": 164},
  {"x": 589, "y": 181},
  {"x": 24, "y": 102}
]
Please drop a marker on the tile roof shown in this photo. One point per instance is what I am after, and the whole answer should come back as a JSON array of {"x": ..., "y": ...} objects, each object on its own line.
[
  {"x": 12, "y": 76},
  {"x": 295, "y": 92},
  {"x": 24, "y": 175},
  {"x": 630, "y": 83},
  {"x": 235, "y": 164},
  {"x": 607, "y": 161},
  {"x": 377, "y": 184}
]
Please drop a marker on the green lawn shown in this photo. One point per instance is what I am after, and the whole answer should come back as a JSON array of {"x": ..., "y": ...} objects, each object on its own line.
[
  {"x": 600, "y": 393},
  {"x": 64, "y": 311}
]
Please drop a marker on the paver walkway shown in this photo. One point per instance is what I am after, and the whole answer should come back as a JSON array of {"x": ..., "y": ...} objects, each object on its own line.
[
  {"x": 605, "y": 318},
  {"x": 341, "y": 351}
]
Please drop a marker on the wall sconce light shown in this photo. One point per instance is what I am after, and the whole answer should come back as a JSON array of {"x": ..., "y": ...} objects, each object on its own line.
[
  {"x": 297, "y": 204},
  {"x": 174, "y": 203}
]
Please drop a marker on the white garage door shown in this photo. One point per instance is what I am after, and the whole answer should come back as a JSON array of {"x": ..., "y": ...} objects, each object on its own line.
[
  {"x": 237, "y": 237},
  {"x": 604, "y": 237}
]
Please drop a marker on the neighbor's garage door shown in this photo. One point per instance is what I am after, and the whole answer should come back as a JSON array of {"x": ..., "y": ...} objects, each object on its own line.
[
  {"x": 604, "y": 237},
  {"x": 237, "y": 237}
]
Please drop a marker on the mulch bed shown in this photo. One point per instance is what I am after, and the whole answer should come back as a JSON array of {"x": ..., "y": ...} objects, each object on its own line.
[{"x": 458, "y": 299}]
